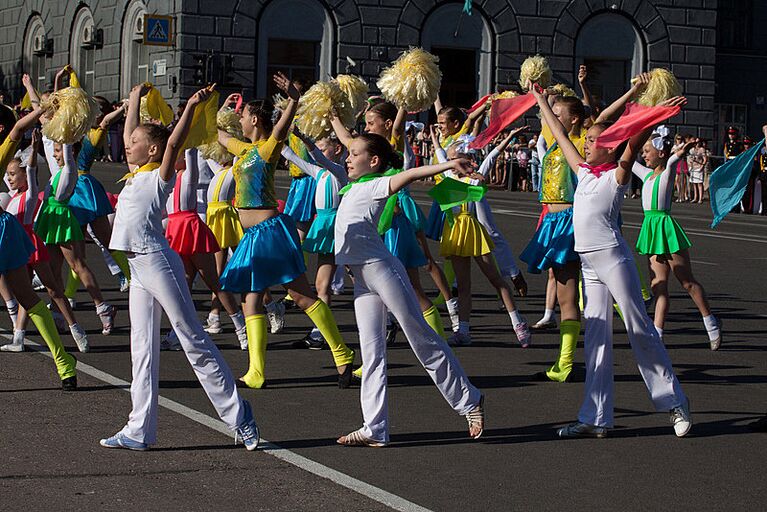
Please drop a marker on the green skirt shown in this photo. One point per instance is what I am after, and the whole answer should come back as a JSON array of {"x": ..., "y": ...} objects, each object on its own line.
[
  {"x": 661, "y": 234},
  {"x": 56, "y": 224}
]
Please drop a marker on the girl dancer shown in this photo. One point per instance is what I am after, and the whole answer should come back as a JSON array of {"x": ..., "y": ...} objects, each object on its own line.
[
  {"x": 329, "y": 176},
  {"x": 16, "y": 249},
  {"x": 608, "y": 269},
  {"x": 193, "y": 240},
  {"x": 270, "y": 253},
  {"x": 381, "y": 283},
  {"x": 23, "y": 178},
  {"x": 662, "y": 239},
  {"x": 158, "y": 285}
]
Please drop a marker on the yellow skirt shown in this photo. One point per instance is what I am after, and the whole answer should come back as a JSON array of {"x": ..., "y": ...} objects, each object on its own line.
[
  {"x": 467, "y": 237},
  {"x": 222, "y": 219}
]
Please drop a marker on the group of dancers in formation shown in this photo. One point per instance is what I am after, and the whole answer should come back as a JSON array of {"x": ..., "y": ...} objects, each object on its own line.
[{"x": 350, "y": 205}]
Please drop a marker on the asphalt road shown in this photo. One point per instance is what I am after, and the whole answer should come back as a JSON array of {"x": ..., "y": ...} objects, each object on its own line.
[{"x": 49, "y": 439}]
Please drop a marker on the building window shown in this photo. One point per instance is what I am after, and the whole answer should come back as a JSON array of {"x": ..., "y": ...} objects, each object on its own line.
[
  {"x": 610, "y": 46},
  {"x": 464, "y": 45},
  {"x": 35, "y": 49},
  {"x": 134, "y": 65},
  {"x": 307, "y": 54},
  {"x": 729, "y": 115},
  {"x": 734, "y": 21},
  {"x": 82, "y": 49}
]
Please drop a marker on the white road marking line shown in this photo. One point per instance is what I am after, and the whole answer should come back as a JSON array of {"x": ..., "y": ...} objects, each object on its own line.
[
  {"x": 698, "y": 262},
  {"x": 370, "y": 491}
]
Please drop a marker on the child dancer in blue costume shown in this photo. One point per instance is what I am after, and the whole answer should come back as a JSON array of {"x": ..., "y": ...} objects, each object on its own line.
[
  {"x": 16, "y": 248},
  {"x": 270, "y": 253},
  {"x": 381, "y": 283},
  {"x": 609, "y": 270},
  {"x": 662, "y": 239}
]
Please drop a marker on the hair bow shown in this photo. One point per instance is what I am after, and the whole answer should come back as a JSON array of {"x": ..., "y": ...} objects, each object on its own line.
[
  {"x": 462, "y": 144},
  {"x": 660, "y": 135}
]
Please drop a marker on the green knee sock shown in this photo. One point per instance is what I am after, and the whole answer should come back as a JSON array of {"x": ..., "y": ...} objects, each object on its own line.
[
  {"x": 434, "y": 320},
  {"x": 73, "y": 283},
  {"x": 255, "y": 327},
  {"x": 319, "y": 313},
  {"x": 122, "y": 261},
  {"x": 568, "y": 332},
  {"x": 43, "y": 320}
]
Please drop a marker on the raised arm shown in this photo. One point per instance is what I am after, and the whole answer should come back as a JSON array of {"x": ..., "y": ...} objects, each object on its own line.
[
  {"x": 439, "y": 152},
  {"x": 473, "y": 119},
  {"x": 34, "y": 98},
  {"x": 53, "y": 165},
  {"x": 112, "y": 117},
  {"x": 281, "y": 128},
  {"x": 307, "y": 167},
  {"x": 24, "y": 124},
  {"x": 180, "y": 132},
  {"x": 588, "y": 99},
  {"x": 343, "y": 134},
  {"x": 616, "y": 108},
  {"x": 398, "y": 128},
  {"x": 68, "y": 180},
  {"x": 460, "y": 166},
  {"x": 574, "y": 158},
  {"x": 58, "y": 81},
  {"x": 133, "y": 117}
]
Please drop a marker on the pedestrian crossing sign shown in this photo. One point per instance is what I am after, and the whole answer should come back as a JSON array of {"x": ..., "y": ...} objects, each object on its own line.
[{"x": 158, "y": 30}]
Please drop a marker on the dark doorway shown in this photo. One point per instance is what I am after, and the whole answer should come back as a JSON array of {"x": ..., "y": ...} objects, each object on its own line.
[
  {"x": 459, "y": 75},
  {"x": 299, "y": 60}
]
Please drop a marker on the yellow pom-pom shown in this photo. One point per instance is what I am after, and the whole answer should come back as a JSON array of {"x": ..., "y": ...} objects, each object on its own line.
[
  {"x": 154, "y": 108},
  {"x": 71, "y": 112},
  {"x": 663, "y": 85},
  {"x": 356, "y": 90},
  {"x": 317, "y": 103},
  {"x": 505, "y": 95},
  {"x": 535, "y": 69},
  {"x": 229, "y": 121},
  {"x": 280, "y": 102},
  {"x": 563, "y": 90},
  {"x": 413, "y": 81}
]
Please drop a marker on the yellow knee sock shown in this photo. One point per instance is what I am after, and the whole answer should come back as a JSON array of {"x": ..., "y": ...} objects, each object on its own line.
[
  {"x": 306, "y": 258},
  {"x": 43, "y": 320},
  {"x": 73, "y": 283},
  {"x": 255, "y": 326},
  {"x": 319, "y": 313},
  {"x": 568, "y": 332},
  {"x": 122, "y": 261},
  {"x": 434, "y": 320},
  {"x": 646, "y": 295}
]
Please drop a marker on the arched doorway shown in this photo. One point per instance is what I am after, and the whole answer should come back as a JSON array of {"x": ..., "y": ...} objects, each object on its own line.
[
  {"x": 134, "y": 65},
  {"x": 35, "y": 49},
  {"x": 82, "y": 49},
  {"x": 464, "y": 45},
  {"x": 614, "y": 51},
  {"x": 297, "y": 38}
]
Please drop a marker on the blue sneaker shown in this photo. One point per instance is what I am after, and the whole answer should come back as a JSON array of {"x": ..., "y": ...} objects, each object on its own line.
[
  {"x": 248, "y": 430},
  {"x": 120, "y": 441}
]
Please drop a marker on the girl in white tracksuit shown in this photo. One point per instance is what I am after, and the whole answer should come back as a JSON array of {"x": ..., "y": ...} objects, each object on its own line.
[
  {"x": 381, "y": 283},
  {"x": 608, "y": 269}
]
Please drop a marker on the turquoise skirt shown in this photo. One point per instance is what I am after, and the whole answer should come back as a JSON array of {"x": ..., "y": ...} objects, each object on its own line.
[
  {"x": 435, "y": 222},
  {"x": 300, "y": 202},
  {"x": 321, "y": 236},
  {"x": 15, "y": 245},
  {"x": 553, "y": 244},
  {"x": 269, "y": 254},
  {"x": 89, "y": 200},
  {"x": 402, "y": 243}
]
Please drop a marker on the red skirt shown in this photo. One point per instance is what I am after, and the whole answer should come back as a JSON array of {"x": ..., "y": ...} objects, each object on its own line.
[
  {"x": 41, "y": 251},
  {"x": 187, "y": 234}
]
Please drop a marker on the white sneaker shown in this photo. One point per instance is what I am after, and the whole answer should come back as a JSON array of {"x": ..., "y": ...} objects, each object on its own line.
[
  {"x": 124, "y": 283},
  {"x": 680, "y": 417},
  {"x": 37, "y": 284},
  {"x": 81, "y": 339},
  {"x": 107, "y": 317},
  {"x": 452, "y": 311},
  {"x": 522, "y": 330},
  {"x": 72, "y": 303},
  {"x": 17, "y": 345},
  {"x": 213, "y": 327},
  {"x": 170, "y": 342},
  {"x": 276, "y": 318},
  {"x": 242, "y": 336},
  {"x": 459, "y": 339}
]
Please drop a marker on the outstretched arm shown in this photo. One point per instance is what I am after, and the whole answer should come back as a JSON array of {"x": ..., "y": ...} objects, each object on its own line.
[
  {"x": 281, "y": 128},
  {"x": 399, "y": 181},
  {"x": 180, "y": 132},
  {"x": 614, "y": 110},
  {"x": 112, "y": 117},
  {"x": 574, "y": 158},
  {"x": 24, "y": 124}
]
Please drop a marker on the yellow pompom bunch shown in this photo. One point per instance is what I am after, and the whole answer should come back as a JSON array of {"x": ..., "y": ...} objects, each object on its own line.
[
  {"x": 154, "y": 108},
  {"x": 505, "y": 95},
  {"x": 356, "y": 90},
  {"x": 535, "y": 69},
  {"x": 413, "y": 81},
  {"x": 316, "y": 106},
  {"x": 663, "y": 85},
  {"x": 563, "y": 90},
  {"x": 71, "y": 113},
  {"x": 229, "y": 121},
  {"x": 280, "y": 102}
]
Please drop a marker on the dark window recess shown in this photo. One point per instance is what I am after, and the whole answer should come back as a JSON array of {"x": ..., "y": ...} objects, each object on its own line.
[
  {"x": 735, "y": 23},
  {"x": 459, "y": 75},
  {"x": 297, "y": 59}
]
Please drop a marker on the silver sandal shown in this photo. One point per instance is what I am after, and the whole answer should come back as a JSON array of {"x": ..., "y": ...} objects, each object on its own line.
[
  {"x": 356, "y": 438},
  {"x": 476, "y": 418}
]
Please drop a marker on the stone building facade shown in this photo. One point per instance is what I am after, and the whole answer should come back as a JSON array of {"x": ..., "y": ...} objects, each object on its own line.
[{"x": 239, "y": 43}]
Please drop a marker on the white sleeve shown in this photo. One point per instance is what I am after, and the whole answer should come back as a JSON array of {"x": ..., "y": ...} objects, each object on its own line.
[
  {"x": 640, "y": 171},
  {"x": 541, "y": 147},
  {"x": 337, "y": 170},
  {"x": 306, "y": 167},
  {"x": 489, "y": 161},
  {"x": 408, "y": 156},
  {"x": 68, "y": 180},
  {"x": 192, "y": 168},
  {"x": 30, "y": 199},
  {"x": 53, "y": 166},
  {"x": 214, "y": 166},
  {"x": 380, "y": 188},
  {"x": 441, "y": 154}
]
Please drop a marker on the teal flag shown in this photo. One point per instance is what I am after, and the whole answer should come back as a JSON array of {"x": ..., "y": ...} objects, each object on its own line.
[
  {"x": 467, "y": 7},
  {"x": 728, "y": 182}
]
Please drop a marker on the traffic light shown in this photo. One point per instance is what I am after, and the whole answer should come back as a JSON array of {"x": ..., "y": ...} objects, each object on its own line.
[
  {"x": 200, "y": 67},
  {"x": 228, "y": 71}
]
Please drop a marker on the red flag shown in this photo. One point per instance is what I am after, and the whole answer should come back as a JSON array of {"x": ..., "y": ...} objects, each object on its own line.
[
  {"x": 502, "y": 114},
  {"x": 479, "y": 103},
  {"x": 634, "y": 120}
]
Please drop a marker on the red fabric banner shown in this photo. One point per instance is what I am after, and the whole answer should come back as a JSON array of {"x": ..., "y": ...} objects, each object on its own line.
[
  {"x": 502, "y": 114},
  {"x": 634, "y": 120}
]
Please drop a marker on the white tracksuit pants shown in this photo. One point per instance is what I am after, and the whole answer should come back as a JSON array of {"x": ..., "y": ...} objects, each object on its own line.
[
  {"x": 385, "y": 285},
  {"x": 114, "y": 268},
  {"x": 606, "y": 273},
  {"x": 504, "y": 257},
  {"x": 158, "y": 285}
]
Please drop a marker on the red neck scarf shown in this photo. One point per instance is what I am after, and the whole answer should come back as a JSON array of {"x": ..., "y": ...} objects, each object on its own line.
[{"x": 598, "y": 170}]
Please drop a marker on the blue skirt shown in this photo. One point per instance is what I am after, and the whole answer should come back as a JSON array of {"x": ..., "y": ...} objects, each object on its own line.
[
  {"x": 300, "y": 202},
  {"x": 402, "y": 242},
  {"x": 321, "y": 236},
  {"x": 411, "y": 210},
  {"x": 269, "y": 254},
  {"x": 89, "y": 200},
  {"x": 553, "y": 244},
  {"x": 435, "y": 222},
  {"x": 15, "y": 245}
]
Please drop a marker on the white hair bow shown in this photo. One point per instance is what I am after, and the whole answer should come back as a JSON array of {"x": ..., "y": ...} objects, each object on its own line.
[
  {"x": 413, "y": 124},
  {"x": 659, "y": 136},
  {"x": 462, "y": 144},
  {"x": 24, "y": 156}
]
